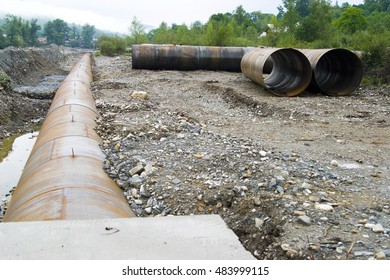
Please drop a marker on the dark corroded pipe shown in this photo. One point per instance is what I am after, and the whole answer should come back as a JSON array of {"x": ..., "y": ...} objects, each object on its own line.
[
  {"x": 284, "y": 72},
  {"x": 335, "y": 71},
  {"x": 173, "y": 57},
  {"x": 63, "y": 178}
]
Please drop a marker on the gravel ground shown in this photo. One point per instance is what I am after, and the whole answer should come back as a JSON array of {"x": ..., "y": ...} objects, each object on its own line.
[{"x": 294, "y": 178}]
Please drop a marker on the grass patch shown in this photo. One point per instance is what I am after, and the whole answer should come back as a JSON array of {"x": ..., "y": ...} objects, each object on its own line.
[{"x": 6, "y": 147}]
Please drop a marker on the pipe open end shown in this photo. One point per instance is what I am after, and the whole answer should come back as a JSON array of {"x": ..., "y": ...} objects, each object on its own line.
[
  {"x": 336, "y": 72},
  {"x": 284, "y": 72}
]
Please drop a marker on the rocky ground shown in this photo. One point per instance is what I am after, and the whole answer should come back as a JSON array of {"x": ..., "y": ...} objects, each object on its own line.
[{"x": 294, "y": 178}]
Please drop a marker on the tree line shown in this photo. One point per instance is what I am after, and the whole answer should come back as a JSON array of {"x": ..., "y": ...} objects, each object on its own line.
[
  {"x": 18, "y": 32},
  {"x": 299, "y": 24}
]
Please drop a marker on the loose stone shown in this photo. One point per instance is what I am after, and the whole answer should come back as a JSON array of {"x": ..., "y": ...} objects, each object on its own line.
[
  {"x": 285, "y": 247},
  {"x": 380, "y": 256},
  {"x": 136, "y": 170},
  {"x": 176, "y": 181},
  {"x": 378, "y": 228},
  {"x": 304, "y": 220},
  {"x": 323, "y": 207},
  {"x": 140, "y": 95},
  {"x": 334, "y": 163},
  {"x": 299, "y": 213}
]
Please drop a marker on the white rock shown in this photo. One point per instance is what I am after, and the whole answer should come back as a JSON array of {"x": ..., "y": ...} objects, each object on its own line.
[
  {"x": 370, "y": 226},
  {"x": 334, "y": 163},
  {"x": 323, "y": 207},
  {"x": 306, "y": 205},
  {"x": 285, "y": 247},
  {"x": 138, "y": 201},
  {"x": 141, "y": 95},
  {"x": 340, "y": 250},
  {"x": 263, "y": 153},
  {"x": 258, "y": 222},
  {"x": 306, "y": 186},
  {"x": 378, "y": 228},
  {"x": 305, "y": 220}
]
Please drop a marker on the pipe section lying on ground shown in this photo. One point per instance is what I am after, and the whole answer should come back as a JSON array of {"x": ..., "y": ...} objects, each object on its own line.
[
  {"x": 172, "y": 57},
  {"x": 63, "y": 178},
  {"x": 284, "y": 72},
  {"x": 335, "y": 71}
]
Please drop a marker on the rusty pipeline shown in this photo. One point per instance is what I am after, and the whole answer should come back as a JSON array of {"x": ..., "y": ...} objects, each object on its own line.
[
  {"x": 173, "y": 57},
  {"x": 63, "y": 178},
  {"x": 284, "y": 72},
  {"x": 335, "y": 71}
]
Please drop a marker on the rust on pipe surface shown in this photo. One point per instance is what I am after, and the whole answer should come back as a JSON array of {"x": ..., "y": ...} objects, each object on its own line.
[
  {"x": 284, "y": 72},
  {"x": 63, "y": 178},
  {"x": 335, "y": 71},
  {"x": 173, "y": 57}
]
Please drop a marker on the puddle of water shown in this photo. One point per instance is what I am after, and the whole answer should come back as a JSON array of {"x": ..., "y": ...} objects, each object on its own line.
[
  {"x": 350, "y": 165},
  {"x": 12, "y": 166}
]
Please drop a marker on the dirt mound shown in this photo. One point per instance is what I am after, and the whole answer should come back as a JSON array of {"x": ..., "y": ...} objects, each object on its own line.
[{"x": 24, "y": 90}]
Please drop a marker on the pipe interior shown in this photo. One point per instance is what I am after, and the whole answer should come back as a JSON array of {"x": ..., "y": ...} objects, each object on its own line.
[
  {"x": 338, "y": 72},
  {"x": 285, "y": 71}
]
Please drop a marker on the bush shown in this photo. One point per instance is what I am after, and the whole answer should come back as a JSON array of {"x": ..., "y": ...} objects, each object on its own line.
[
  {"x": 5, "y": 81},
  {"x": 376, "y": 56},
  {"x": 111, "y": 46}
]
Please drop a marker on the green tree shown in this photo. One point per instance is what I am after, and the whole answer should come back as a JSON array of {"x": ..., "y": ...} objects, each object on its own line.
[
  {"x": 163, "y": 34},
  {"x": 182, "y": 35},
  {"x": 137, "y": 32},
  {"x": 3, "y": 40},
  {"x": 197, "y": 33},
  {"x": 289, "y": 16},
  {"x": 32, "y": 36},
  {"x": 376, "y": 5},
  {"x": 351, "y": 20},
  {"x": 218, "y": 33},
  {"x": 12, "y": 28},
  {"x": 87, "y": 34},
  {"x": 56, "y": 31},
  {"x": 378, "y": 22},
  {"x": 317, "y": 25},
  {"x": 303, "y": 7},
  {"x": 74, "y": 36},
  {"x": 111, "y": 46}
]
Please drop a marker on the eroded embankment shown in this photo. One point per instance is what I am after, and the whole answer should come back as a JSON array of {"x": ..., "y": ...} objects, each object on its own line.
[{"x": 28, "y": 79}]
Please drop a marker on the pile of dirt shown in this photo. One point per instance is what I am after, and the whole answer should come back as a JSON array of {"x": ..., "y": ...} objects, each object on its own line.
[{"x": 26, "y": 95}]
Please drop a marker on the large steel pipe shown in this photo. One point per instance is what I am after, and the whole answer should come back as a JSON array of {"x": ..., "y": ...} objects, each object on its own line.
[
  {"x": 173, "y": 57},
  {"x": 63, "y": 178},
  {"x": 284, "y": 72},
  {"x": 335, "y": 71}
]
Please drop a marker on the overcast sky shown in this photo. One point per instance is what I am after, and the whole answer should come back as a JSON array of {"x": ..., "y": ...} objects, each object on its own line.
[{"x": 116, "y": 15}]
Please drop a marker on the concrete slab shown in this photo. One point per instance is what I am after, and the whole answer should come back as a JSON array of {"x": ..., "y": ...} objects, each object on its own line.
[{"x": 165, "y": 238}]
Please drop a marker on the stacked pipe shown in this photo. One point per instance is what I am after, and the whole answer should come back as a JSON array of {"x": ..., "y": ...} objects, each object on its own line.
[
  {"x": 63, "y": 178},
  {"x": 282, "y": 71}
]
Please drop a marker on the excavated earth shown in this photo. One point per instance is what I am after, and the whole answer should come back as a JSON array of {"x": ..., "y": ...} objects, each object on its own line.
[{"x": 295, "y": 178}]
